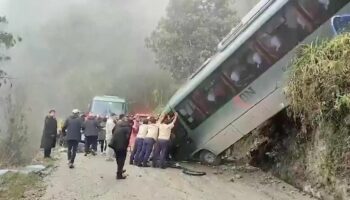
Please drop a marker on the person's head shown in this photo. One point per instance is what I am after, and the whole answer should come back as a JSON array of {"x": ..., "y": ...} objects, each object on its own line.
[
  {"x": 52, "y": 113},
  {"x": 91, "y": 116},
  {"x": 123, "y": 117},
  {"x": 145, "y": 121},
  {"x": 75, "y": 112},
  {"x": 153, "y": 120}
]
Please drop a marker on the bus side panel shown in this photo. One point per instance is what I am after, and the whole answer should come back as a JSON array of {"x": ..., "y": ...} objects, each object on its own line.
[{"x": 223, "y": 140}]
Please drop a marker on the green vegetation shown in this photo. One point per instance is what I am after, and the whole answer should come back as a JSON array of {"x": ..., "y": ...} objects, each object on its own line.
[
  {"x": 14, "y": 186},
  {"x": 319, "y": 86},
  {"x": 7, "y": 40},
  {"x": 188, "y": 35},
  {"x": 319, "y": 96}
]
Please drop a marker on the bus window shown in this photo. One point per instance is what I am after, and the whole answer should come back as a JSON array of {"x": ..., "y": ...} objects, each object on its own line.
[
  {"x": 190, "y": 113},
  {"x": 214, "y": 93},
  {"x": 284, "y": 31},
  {"x": 320, "y": 10},
  {"x": 245, "y": 66}
]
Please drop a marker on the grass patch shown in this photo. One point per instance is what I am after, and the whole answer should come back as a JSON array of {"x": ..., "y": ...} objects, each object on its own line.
[{"x": 14, "y": 186}]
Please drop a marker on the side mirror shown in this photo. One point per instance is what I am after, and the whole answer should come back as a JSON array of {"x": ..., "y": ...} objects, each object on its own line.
[{"x": 340, "y": 24}]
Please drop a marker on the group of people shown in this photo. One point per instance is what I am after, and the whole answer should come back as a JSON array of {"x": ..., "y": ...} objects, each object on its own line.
[{"x": 152, "y": 138}]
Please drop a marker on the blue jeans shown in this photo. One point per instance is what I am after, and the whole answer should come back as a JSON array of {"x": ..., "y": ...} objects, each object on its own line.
[
  {"x": 135, "y": 154},
  {"x": 160, "y": 153},
  {"x": 146, "y": 150}
]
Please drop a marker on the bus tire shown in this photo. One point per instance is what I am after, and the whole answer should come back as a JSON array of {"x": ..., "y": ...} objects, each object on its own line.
[{"x": 208, "y": 158}]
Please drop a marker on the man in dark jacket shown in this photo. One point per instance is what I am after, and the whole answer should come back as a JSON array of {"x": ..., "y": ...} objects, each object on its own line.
[
  {"x": 72, "y": 129},
  {"x": 48, "y": 139},
  {"x": 120, "y": 143},
  {"x": 91, "y": 128}
]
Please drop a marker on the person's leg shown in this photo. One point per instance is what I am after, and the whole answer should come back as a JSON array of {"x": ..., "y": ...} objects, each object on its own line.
[
  {"x": 100, "y": 142},
  {"x": 138, "y": 150},
  {"x": 87, "y": 144},
  {"x": 142, "y": 153},
  {"x": 69, "y": 152},
  {"x": 94, "y": 144},
  {"x": 47, "y": 152},
  {"x": 120, "y": 157},
  {"x": 149, "y": 147},
  {"x": 133, "y": 152},
  {"x": 105, "y": 144},
  {"x": 164, "y": 144},
  {"x": 110, "y": 153},
  {"x": 74, "y": 151},
  {"x": 155, "y": 154}
]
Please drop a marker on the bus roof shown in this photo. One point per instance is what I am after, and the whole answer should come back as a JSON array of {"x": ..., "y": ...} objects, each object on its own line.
[
  {"x": 109, "y": 98},
  {"x": 254, "y": 24}
]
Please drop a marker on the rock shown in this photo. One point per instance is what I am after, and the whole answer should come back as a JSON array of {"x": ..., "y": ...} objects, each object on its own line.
[
  {"x": 238, "y": 176},
  {"x": 218, "y": 172},
  {"x": 33, "y": 169},
  {"x": 3, "y": 171},
  {"x": 232, "y": 179}
]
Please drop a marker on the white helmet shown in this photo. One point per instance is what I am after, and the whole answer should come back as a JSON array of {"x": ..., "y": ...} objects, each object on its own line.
[{"x": 75, "y": 111}]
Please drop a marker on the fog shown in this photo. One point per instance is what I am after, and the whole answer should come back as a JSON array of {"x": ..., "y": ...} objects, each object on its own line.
[
  {"x": 78, "y": 39},
  {"x": 75, "y": 49}
]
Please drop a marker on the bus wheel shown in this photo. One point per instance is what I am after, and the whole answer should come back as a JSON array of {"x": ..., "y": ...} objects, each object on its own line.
[{"x": 207, "y": 157}]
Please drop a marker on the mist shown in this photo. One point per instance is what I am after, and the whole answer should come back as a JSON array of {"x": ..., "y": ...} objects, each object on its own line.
[{"x": 73, "y": 50}]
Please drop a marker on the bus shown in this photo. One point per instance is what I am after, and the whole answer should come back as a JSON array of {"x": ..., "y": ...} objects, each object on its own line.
[
  {"x": 104, "y": 106},
  {"x": 241, "y": 86}
]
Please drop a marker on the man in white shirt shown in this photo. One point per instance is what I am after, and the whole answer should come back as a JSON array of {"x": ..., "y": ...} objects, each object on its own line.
[
  {"x": 135, "y": 154},
  {"x": 148, "y": 143},
  {"x": 163, "y": 142},
  {"x": 110, "y": 124}
]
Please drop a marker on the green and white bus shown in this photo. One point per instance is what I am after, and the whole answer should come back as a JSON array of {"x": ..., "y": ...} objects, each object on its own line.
[
  {"x": 106, "y": 105},
  {"x": 241, "y": 86}
]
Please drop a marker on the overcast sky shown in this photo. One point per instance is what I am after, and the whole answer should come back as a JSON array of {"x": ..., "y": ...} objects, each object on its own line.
[{"x": 61, "y": 36}]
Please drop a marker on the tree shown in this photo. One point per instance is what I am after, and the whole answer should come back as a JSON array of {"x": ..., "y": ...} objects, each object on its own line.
[
  {"x": 189, "y": 33},
  {"x": 7, "y": 40}
]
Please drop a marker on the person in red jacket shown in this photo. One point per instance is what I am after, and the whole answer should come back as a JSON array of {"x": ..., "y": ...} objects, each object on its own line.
[{"x": 135, "y": 130}]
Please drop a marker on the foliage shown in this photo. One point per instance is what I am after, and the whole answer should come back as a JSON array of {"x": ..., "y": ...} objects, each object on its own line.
[
  {"x": 14, "y": 186},
  {"x": 14, "y": 141},
  {"x": 7, "y": 40},
  {"x": 188, "y": 35},
  {"x": 319, "y": 95},
  {"x": 319, "y": 85}
]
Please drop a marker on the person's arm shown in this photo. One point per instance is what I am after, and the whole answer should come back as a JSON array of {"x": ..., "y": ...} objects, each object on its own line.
[
  {"x": 172, "y": 124},
  {"x": 160, "y": 119},
  {"x": 64, "y": 127}
]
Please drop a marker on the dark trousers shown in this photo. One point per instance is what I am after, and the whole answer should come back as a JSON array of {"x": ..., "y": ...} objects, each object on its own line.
[
  {"x": 146, "y": 150},
  {"x": 120, "y": 156},
  {"x": 47, "y": 153},
  {"x": 103, "y": 146},
  {"x": 91, "y": 141},
  {"x": 72, "y": 150},
  {"x": 160, "y": 153},
  {"x": 136, "y": 151}
]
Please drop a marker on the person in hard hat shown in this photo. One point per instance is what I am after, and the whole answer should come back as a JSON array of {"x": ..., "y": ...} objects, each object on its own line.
[{"x": 72, "y": 129}]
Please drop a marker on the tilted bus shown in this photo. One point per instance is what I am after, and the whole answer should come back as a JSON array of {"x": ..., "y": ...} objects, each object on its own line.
[{"x": 241, "y": 86}]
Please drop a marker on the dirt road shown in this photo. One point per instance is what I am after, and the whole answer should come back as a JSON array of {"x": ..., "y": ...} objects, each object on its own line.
[{"x": 94, "y": 178}]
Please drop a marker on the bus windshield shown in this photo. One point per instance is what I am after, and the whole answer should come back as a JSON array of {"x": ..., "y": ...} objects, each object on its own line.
[{"x": 105, "y": 108}]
